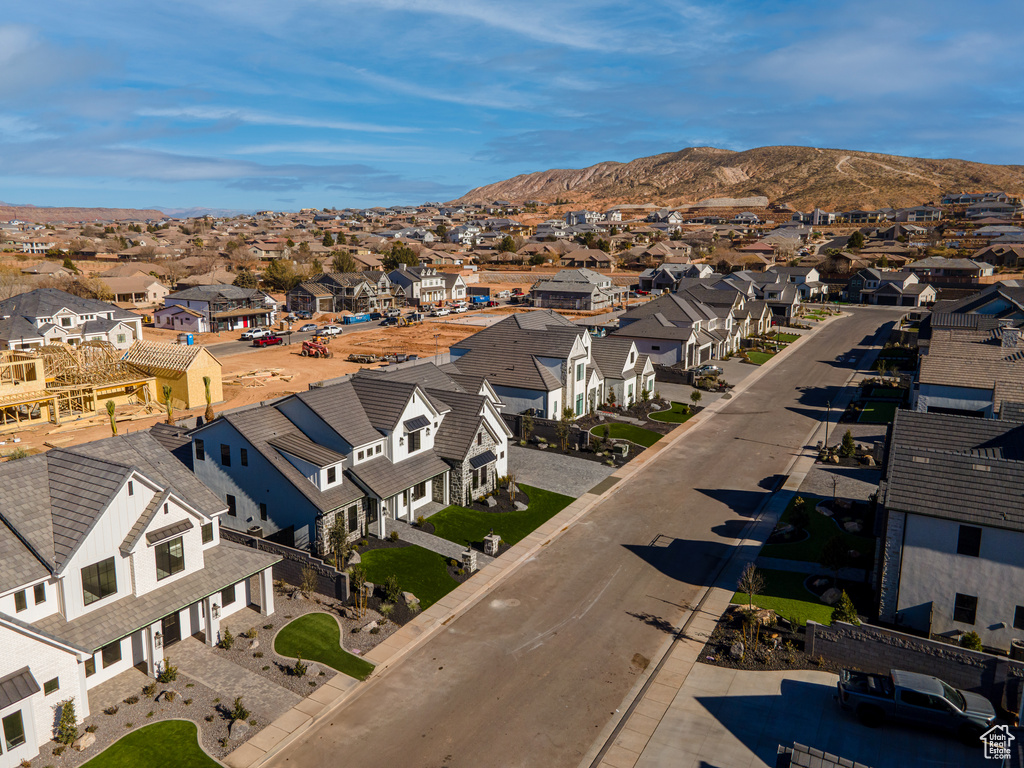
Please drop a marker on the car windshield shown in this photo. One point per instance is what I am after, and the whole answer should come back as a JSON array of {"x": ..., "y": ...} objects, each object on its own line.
[{"x": 952, "y": 695}]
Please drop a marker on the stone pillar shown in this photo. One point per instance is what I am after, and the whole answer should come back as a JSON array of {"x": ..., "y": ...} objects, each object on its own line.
[
  {"x": 266, "y": 592},
  {"x": 212, "y": 624}
]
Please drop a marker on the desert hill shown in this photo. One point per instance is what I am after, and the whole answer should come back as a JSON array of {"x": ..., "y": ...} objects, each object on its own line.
[
  {"x": 803, "y": 177},
  {"x": 42, "y": 215}
]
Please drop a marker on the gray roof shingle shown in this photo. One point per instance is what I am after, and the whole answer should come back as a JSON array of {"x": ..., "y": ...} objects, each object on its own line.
[
  {"x": 301, "y": 446},
  {"x": 17, "y": 686},
  {"x": 386, "y": 479}
]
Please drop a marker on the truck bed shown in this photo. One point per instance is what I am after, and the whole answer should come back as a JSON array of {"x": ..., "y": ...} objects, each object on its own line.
[{"x": 867, "y": 684}]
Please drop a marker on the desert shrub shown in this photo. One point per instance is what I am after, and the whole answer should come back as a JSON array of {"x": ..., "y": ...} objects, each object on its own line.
[
  {"x": 169, "y": 673},
  {"x": 392, "y": 589},
  {"x": 226, "y": 640},
  {"x": 971, "y": 640}
]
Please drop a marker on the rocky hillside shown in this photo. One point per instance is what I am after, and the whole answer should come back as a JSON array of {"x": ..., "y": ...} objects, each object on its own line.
[
  {"x": 60, "y": 215},
  {"x": 803, "y": 177}
]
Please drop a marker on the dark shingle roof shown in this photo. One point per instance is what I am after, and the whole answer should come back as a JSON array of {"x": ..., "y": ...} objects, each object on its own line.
[
  {"x": 386, "y": 479},
  {"x": 335, "y": 405},
  {"x": 456, "y": 433},
  {"x": 45, "y": 302},
  {"x": 16, "y": 687},
  {"x": 301, "y": 446},
  {"x": 169, "y": 531}
]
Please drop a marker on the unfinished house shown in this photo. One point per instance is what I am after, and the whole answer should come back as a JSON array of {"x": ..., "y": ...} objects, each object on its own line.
[{"x": 180, "y": 367}]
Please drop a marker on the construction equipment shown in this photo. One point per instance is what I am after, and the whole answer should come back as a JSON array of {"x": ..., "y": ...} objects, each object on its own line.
[
  {"x": 363, "y": 358},
  {"x": 413, "y": 319},
  {"x": 316, "y": 347}
]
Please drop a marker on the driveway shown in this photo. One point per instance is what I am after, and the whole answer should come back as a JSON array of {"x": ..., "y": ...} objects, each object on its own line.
[
  {"x": 554, "y": 471},
  {"x": 726, "y": 717}
]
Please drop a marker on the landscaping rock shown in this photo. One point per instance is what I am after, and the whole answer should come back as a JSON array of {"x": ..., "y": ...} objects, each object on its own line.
[
  {"x": 491, "y": 501},
  {"x": 831, "y": 596},
  {"x": 369, "y": 586},
  {"x": 821, "y": 509},
  {"x": 354, "y": 559},
  {"x": 869, "y": 460},
  {"x": 819, "y": 582},
  {"x": 84, "y": 741},
  {"x": 409, "y": 598},
  {"x": 834, "y": 459},
  {"x": 783, "y": 528},
  {"x": 238, "y": 729},
  {"x": 736, "y": 650},
  {"x": 853, "y": 527},
  {"x": 542, "y": 446},
  {"x": 520, "y": 506},
  {"x": 373, "y": 625}
]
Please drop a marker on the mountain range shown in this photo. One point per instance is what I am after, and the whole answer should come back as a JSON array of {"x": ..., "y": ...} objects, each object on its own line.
[{"x": 803, "y": 177}]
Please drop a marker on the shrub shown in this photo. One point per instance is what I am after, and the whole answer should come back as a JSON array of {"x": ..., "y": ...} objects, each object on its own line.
[
  {"x": 453, "y": 563},
  {"x": 59, "y": 750},
  {"x": 375, "y": 631},
  {"x": 208, "y": 718},
  {"x": 111, "y": 710},
  {"x": 169, "y": 695},
  {"x": 419, "y": 521},
  {"x": 250, "y": 633},
  {"x": 461, "y": 571},
  {"x": 392, "y": 589},
  {"x": 186, "y": 702},
  {"x": 362, "y": 542},
  {"x": 67, "y": 728},
  {"x": 239, "y": 712},
  {"x": 190, "y": 685},
  {"x": 265, "y": 667},
  {"x": 385, "y": 610},
  {"x": 132, "y": 700},
  {"x": 845, "y": 611},
  {"x": 393, "y": 536},
  {"x": 129, "y": 725},
  {"x": 169, "y": 673},
  {"x": 226, "y": 640},
  {"x": 150, "y": 713},
  {"x": 91, "y": 728},
  {"x": 149, "y": 690},
  {"x": 268, "y": 626},
  {"x": 800, "y": 518},
  {"x": 848, "y": 449},
  {"x": 971, "y": 640},
  {"x": 258, "y": 655},
  {"x": 299, "y": 669},
  {"x": 308, "y": 580}
]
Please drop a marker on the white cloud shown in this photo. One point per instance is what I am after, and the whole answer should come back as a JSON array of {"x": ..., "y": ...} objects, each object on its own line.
[{"x": 265, "y": 118}]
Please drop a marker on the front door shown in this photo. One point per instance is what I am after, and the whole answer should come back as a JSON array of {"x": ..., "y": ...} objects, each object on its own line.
[{"x": 171, "y": 627}]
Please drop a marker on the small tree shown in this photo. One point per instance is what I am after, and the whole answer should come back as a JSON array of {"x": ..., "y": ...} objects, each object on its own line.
[
  {"x": 308, "y": 580},
  {"x": 392, "y": 589},
  {"x": 246, "y": 279},
  {"x": 342, "y": 261},
  {"x": 209, "y": 415},
  {"x": 527, "y": 427},
  {"x": 328, "y": 240},
  {"x": 751, "y": 583},
  {"x": 511, "y": 487},
  {"x": 507, "y": 244},
  {"x": 300, "y": 669},
  {"x": 67, "y": 722},
  {"x": 357, "y": 580},
  {"x": 695, "y": 397},
  {"x": 833, "y": 555},
  {"x": 845, "y": 610},
  {"x": 856, "y": 240},
  {"x": 169, "y": 673},
  {"x": 168, "y": 401},
  {"x": 239, "y": 712},
  {"x": 337, "y": 537},
  {"x": 799, "y": 517},
  {"x": 971, "y": 640},
  {"x": 113, "y": 422},
  {"x": 848, "y": 449},
  {"x": 562, "y": 428}
]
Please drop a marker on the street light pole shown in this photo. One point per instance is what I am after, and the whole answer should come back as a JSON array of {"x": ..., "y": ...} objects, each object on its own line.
[{"x": 828, "y": 418}]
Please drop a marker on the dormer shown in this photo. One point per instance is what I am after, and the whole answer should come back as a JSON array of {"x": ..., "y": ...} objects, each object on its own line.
[{"x": 321, "y": 466}]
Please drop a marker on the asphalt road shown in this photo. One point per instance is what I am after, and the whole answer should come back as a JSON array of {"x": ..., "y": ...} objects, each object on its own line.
[{"x": 531, "y": 674}]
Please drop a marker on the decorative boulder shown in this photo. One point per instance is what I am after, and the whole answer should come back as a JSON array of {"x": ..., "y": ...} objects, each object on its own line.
[
  {"x": 354, "y": 559},
  {"x": 84, "y": 741},
  {"x": 368, "y": 627},
  {"x": 409, "y": 598},
  {"x": 238, "y": 729},
  {"x": 520, "y": 506},
  {"x": 736, "y": 650},
  {"x": 831, "y": 596},
  {"x": 491, "y": 501},
  {"x": 783, "y": 528},
  {"x": 869, "y": 460},
  {"x": 853, "y": 527},
  {"x": 821, "y": 509},
  {"x": 542, "y": 446},
  {"x": 254, "y": 644}
]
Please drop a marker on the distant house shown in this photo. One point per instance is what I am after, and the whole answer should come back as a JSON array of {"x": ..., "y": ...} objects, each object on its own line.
[
  {"x": 938, "y": 269},
  {"x": 46, "y": 314},
  {"x": 953, "y": 550},
  {"x": 368, "y": 291},
  {"x": 901, "y": 289},
  {"x": 454, "y": 286},
  {"x": 141, "y": 289},
  {"x": 420, "y": 285},
  {"x": 588, "y": 258},
  {"x": 223, "y": 308},
  {"x": 576, "y": 289},
  {"x": 666, "y": 276}
]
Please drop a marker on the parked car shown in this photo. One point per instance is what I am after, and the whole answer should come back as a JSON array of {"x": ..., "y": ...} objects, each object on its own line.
[
  {"x": 914, "y": 698},
  {"x": 708, "y": 370},
  {"x": 330, "y": 330},
  {"x": 255, "y": 333},
  {"x": 267, "y": 341},
  {"x": 307, "y": 327},
  {"x": 393, "y": 313},
  {"x": 459, "y": 308},
  {"x": 389, "y": 321},
  {"x": 440, "y": 312}
]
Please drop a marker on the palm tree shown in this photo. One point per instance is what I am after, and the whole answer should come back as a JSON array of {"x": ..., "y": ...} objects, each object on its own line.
[
  {"x": 209, "y": 415},
  {"x": 113, "y": 422},
  {"x": 170, "y": 405}
]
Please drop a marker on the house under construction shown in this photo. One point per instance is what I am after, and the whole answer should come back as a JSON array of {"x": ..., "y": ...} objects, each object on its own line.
[{"x": 58, "y": 381}]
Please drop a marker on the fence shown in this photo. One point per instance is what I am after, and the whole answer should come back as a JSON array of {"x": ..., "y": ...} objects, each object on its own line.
[
  {"x": 878, "y": 650},
  {"x": 546, "y": 428},
  {"x": 330, "y": 581}
]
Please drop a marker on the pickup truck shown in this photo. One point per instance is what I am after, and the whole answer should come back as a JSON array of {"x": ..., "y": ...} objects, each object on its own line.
[
  {"x": 329, "y": 330},
  {"x": 267, "y": 341},
  {"x": 255, "y": 333},
  {"x": 914, "y": 698},
  {"x": 441, "y": 312}
]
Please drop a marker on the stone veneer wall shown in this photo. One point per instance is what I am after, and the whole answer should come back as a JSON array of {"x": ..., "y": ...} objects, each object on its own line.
[
  {"x": 461, "y": 475},
  {"x": 892, "y": 551},
  {"x": 330, "y": 581}
]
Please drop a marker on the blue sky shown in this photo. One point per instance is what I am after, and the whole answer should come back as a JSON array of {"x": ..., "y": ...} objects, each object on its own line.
[{"x": 249, "y": 104}]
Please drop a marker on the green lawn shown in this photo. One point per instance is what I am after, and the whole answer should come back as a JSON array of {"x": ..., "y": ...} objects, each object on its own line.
[
  {"x": 317, "y": 637},
  {"x": 759, "y": 358},
  {"x": 419, "y": 571},
  {"x": 168, "y": 744},
  {"x": 469, "y": 526},
  {"x": 680, "y": 412},
  {"x": 785, "y": 338},
  {"x": 876, "y": 412},
  {"x": 631, "y": 432},
  {"x": 821, "y": 529},
  {"x": 785, "y": 593}
]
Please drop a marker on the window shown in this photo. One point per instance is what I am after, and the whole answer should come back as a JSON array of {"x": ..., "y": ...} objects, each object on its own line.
[
  {"x": 207, "y": 530},
  {"x": 965, "y": 607},
  {"x": 414, "y": 441},
  {"x": 14, "y": 730},
  {"x": 655, "y": 347},
  {"x": 99, "y": 580},
  {"x": 579, "y": 371},
  {"x": 332, "y": 474},
  {"x": 579, "y": 404},
  {"x": 20, "y": 601},
  {"x": 111, "y": 653},
  {"x": 120, "y": 338},
  {"x": 225, "y": 455},
  {"x": 90, "y": 666},
  {"x": 39, "y": 593},
  {"x": 419, "y": 491},
  {"x": 263, "y": 510},
  {"x": 361, "y": 455},
  {"x": 969, "y": 541},
  {"x": 232, "y": 510},
  {"x": 479, "y": 438},
  {"x": 476, "y": 480},
  {"x": 170, "y": 558},
  {"x": 227, "y": 595},
  {"x": 353, "y": 518},
  {"x": 131, "y": 488},
  {"x": 244, "y": 457},
  {"x": 378, "y": 449},
  {"x": 65, "y": 322},
  {"x": 200, "y": 450},
  {"x": 1018, "y": 617},
  {"x": 50, "y": 686}
]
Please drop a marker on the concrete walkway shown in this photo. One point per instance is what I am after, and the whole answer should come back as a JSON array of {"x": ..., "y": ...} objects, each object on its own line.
[
  {"x": 448, "y": 549},
  {"x": 266, "y": 699}
]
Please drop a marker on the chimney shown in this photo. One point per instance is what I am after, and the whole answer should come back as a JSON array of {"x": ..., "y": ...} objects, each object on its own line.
[{"x": 1010, "y": 337}]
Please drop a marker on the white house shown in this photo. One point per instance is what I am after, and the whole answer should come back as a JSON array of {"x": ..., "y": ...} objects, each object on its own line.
[
  {"x": 111, "y": 554},
  {"x": 44, "y": 315}
]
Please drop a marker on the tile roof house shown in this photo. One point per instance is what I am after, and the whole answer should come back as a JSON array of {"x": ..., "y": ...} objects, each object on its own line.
[
  {"x": 222, "y": 307},
  {"x": 953, "y": 519},
  {"x": 902, "y": 289},
  {"x": 111, "y": 554},
  {"x": 422, "y": 285},
  {"x": 367, "y": 291},
  {"x": 46, "y": 314},
  {"x": 363, "y": 450},
  {"x": 576, "y": 289}
]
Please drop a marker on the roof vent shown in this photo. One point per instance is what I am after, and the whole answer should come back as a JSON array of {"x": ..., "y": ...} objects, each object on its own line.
[
  {"x": 920, "y": 459},
  {"x": 981, "y": 468}
]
